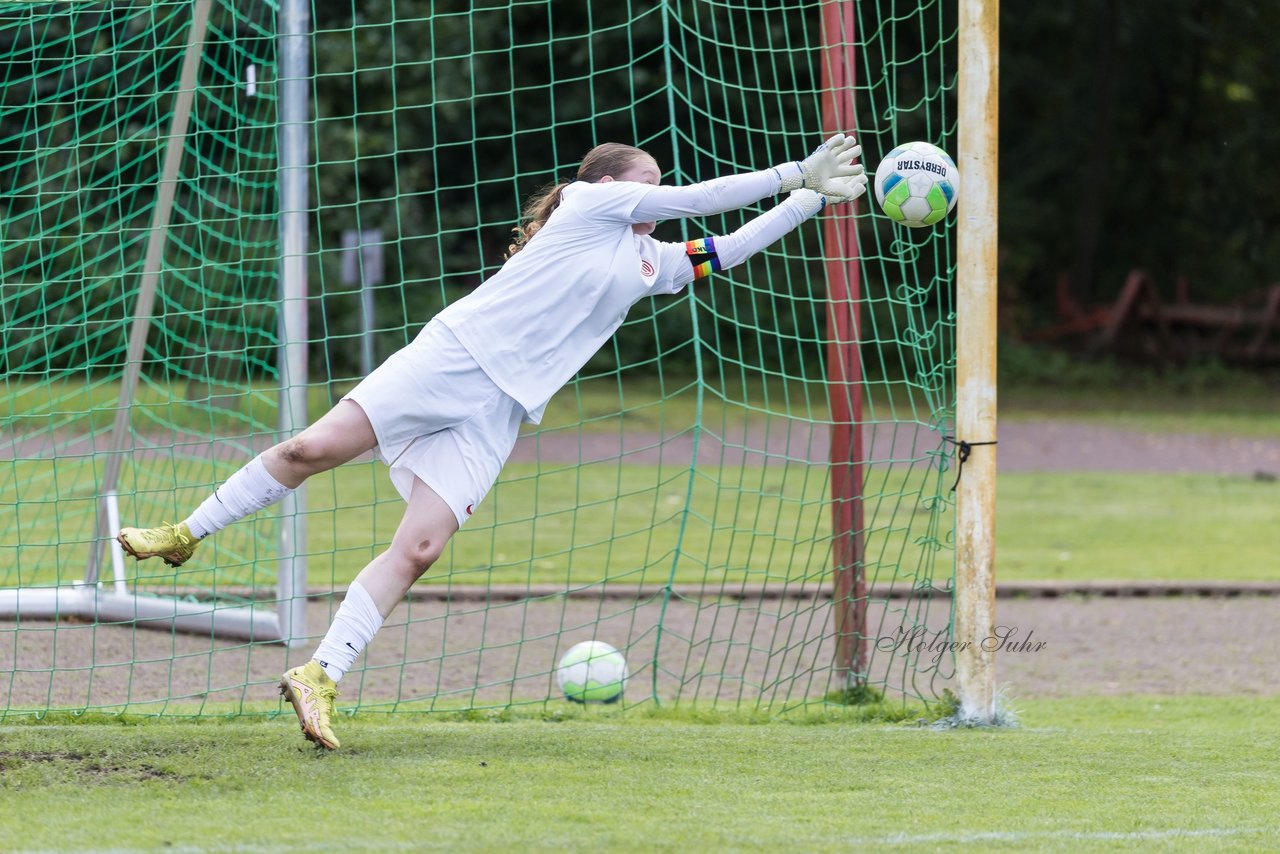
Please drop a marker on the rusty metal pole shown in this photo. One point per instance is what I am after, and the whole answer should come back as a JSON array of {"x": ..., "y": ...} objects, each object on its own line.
[{"x": 844, "y": 364}]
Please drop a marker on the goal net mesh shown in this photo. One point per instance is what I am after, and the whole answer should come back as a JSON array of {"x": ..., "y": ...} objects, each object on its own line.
[{"x": 676, "y": 502}]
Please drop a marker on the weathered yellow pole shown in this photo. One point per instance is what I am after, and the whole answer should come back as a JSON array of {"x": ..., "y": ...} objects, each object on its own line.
[{"x": 978, "y": 108}]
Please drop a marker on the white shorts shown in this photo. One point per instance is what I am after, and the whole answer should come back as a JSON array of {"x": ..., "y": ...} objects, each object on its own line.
[{"x": 439, "y": 417}]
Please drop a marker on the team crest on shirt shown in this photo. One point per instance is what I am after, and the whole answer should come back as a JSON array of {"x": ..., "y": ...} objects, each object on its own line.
[{"x": 646, "y": 269}]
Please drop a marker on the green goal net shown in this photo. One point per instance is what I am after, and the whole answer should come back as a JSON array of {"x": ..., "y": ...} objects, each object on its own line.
[{"x": 746, "y": 491}]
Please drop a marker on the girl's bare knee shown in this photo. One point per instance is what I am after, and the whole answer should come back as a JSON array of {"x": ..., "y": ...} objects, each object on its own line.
[
  {"x": 295, "y": 451},
  {"x": 417, "y": 557},
  {"x": 303, "y": 455}
]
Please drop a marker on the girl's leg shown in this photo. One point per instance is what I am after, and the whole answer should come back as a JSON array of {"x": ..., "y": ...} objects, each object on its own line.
[
  {"x": 427, "y": 525},
  {"x": 341, "y": 434}
]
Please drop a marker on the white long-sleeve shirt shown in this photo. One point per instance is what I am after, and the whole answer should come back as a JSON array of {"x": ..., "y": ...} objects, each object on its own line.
[{"x": 554, "y": 304}]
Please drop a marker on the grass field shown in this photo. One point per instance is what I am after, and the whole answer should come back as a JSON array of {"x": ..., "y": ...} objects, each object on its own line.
[
  {"x": 1050, "y": 785},
  {"x": 1135, "y": 773},
  {"x": 769, "y": 524},
  {"x": 1127, "y": 773},
  {"x": 580, "y": 524},
  {"x": 1204, "y": 401},
  {"x": 1077, "y": 526}
]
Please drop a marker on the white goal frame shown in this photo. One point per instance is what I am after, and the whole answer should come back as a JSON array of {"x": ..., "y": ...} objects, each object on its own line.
[{"x": 90, "y": 599}]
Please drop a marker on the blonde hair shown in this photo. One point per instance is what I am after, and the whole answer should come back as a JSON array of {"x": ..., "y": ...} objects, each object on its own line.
[{"x": 610, "y": 158}]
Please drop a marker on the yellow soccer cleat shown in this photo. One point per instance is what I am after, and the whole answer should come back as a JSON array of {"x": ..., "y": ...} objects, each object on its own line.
[
  {"x": 311, "y": 692},
  {"x": 171, "y": 543}
]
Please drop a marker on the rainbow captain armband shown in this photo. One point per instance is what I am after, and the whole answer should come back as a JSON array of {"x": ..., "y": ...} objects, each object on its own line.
[{"x": 702, "y": 255}]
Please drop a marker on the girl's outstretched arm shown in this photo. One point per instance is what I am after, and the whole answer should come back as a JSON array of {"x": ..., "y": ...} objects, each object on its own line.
[
  {"x": 712, "y": 254},
  {"x": 823, "y": 170},
  {"x": 711, "y": 197}
]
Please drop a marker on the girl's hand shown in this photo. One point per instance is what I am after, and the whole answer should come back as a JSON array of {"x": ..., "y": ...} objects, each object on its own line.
[
  {"x": 839, "y": 191},
  {"x": 824, "y": 170}
]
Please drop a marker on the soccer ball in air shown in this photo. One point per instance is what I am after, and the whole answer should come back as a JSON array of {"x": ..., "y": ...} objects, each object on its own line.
[
  {"x": 917, "y": 184},
  {"x": 592, "y": 672}
]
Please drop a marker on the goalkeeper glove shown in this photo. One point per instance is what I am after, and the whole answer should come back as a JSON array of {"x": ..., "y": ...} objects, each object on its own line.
[
  {"x": 831, "y": 161},
  {"x": 838, "y": 191}
]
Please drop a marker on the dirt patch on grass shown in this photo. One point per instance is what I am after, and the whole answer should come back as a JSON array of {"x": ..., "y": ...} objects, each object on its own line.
[
  {"x": 437, "y": 654},
  {"x": 80, "y": 769}
]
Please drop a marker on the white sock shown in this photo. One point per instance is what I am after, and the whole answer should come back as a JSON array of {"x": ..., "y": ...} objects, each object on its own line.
[
  {"x": 355, "y": 624},
  {"x": 245, "y": 492}
]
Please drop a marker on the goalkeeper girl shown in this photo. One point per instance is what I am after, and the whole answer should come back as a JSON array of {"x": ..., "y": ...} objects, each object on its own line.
[{"x": 445, "y": 411}]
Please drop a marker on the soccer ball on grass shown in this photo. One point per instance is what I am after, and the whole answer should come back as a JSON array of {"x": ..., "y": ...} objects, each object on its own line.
[
  {"x": 917, "y": 184},
  {"x": 592, "y": 672}
]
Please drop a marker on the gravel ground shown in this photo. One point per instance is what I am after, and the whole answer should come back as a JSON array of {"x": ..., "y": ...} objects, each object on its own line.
[
  {"x": 1034, "y": 445},
  {"x": 771, "y": 650}
]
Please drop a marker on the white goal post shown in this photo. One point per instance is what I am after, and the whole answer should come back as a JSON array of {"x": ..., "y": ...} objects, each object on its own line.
[{"x": 91, "y": 599}]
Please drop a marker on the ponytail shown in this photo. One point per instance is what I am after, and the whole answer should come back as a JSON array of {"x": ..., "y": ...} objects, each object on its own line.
[
  {"x": 536, "y": 213},
  {"x": 610, "y": 158}
]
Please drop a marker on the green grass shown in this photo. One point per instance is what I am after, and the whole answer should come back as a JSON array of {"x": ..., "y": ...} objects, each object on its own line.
[
  {"x": 1227, "y": 411},
  {"x": 1199, "y": 401},
  {"x": 1090, "y": 526},
  {"x": 577, "y": 525},
  {"x": 558, "y": 524},
  {"x": 650, "y": 403},
  {"x": 1205, "y": 397},
  {"x": 1087, "y": 773}
]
